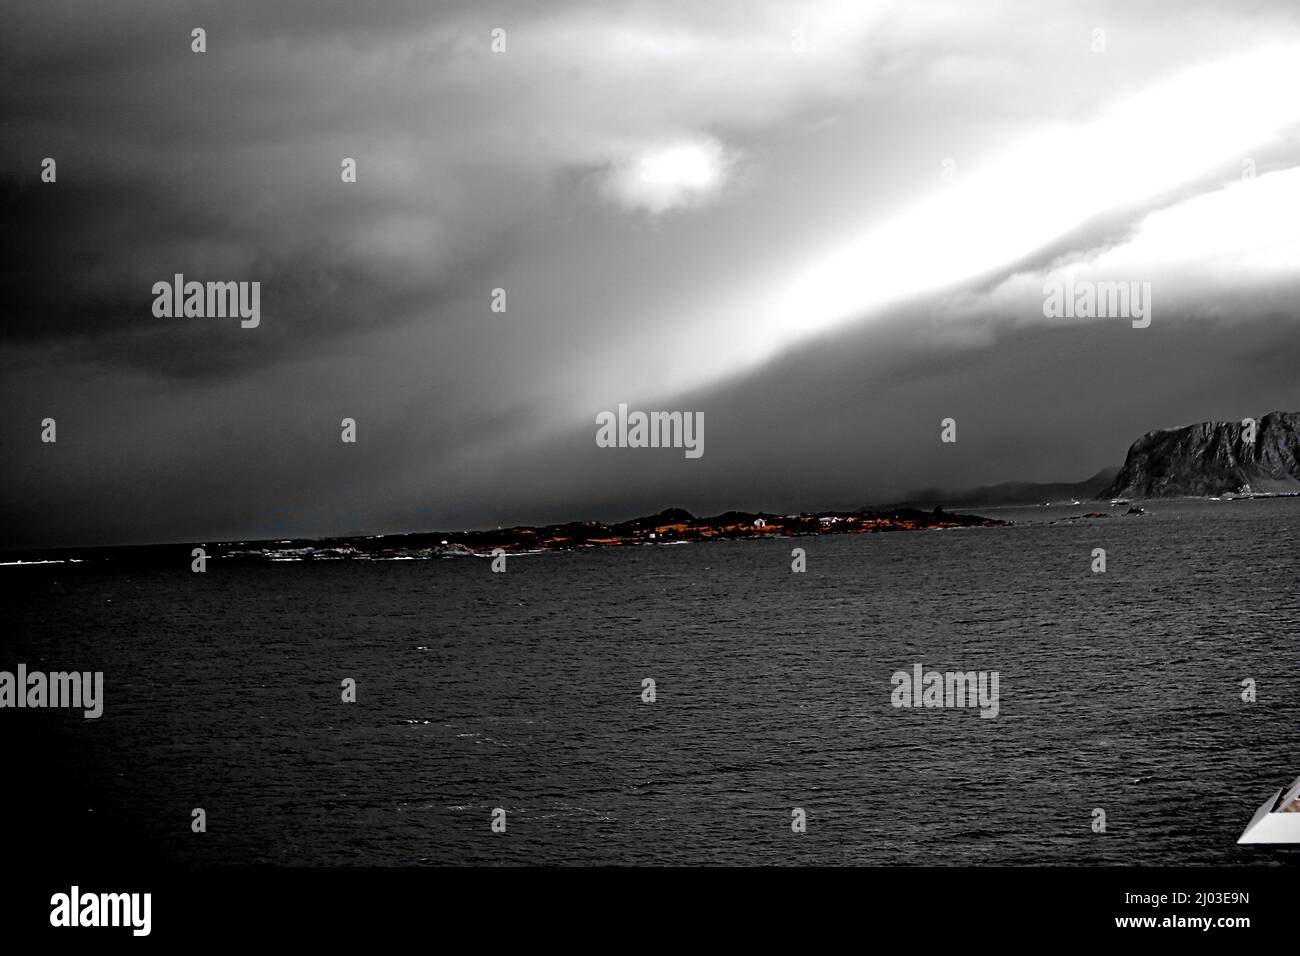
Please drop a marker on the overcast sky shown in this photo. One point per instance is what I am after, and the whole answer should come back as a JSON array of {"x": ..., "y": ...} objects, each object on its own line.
[{"x": 826, "y": 226}]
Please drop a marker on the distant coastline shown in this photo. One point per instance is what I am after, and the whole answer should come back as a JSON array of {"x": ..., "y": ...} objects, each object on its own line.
[{"x": 672, "y": 526}]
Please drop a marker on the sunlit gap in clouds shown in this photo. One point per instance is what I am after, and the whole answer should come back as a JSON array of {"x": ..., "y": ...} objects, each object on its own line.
[
  {"x": 1206, "y": 118},
  {"x": 670, "y": 175}
]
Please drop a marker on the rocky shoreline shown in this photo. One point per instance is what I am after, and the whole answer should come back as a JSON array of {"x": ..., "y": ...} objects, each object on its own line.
[{"x": 672, "y": 526}]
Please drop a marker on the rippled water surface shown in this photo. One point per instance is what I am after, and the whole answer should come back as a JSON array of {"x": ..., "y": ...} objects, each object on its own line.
[{"x": 1120, "y": 691}]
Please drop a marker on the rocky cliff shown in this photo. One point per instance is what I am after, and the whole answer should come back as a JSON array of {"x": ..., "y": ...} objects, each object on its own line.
[{"x": 1213, "y": 458}]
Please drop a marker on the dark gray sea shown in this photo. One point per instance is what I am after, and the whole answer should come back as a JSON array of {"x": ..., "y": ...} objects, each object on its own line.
[{"x": 1119, "y": 691}]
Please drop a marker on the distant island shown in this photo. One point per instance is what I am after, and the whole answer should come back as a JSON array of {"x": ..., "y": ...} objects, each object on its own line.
[
  {"x": 1011, "y": 493},
  {"x": 671, "y": 526}
]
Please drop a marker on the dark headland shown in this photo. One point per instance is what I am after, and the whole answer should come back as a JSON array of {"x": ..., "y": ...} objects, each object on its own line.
[{"x": 1212, "y": 459}]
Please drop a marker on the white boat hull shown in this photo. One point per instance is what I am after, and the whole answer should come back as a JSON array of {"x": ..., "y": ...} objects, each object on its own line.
[{"x": 1268, "y": 826}]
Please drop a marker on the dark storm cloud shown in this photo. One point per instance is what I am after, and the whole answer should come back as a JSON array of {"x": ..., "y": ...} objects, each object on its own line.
[
  {"x": 225, "y": 166},
  {"x": 71, "y": 276}
]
